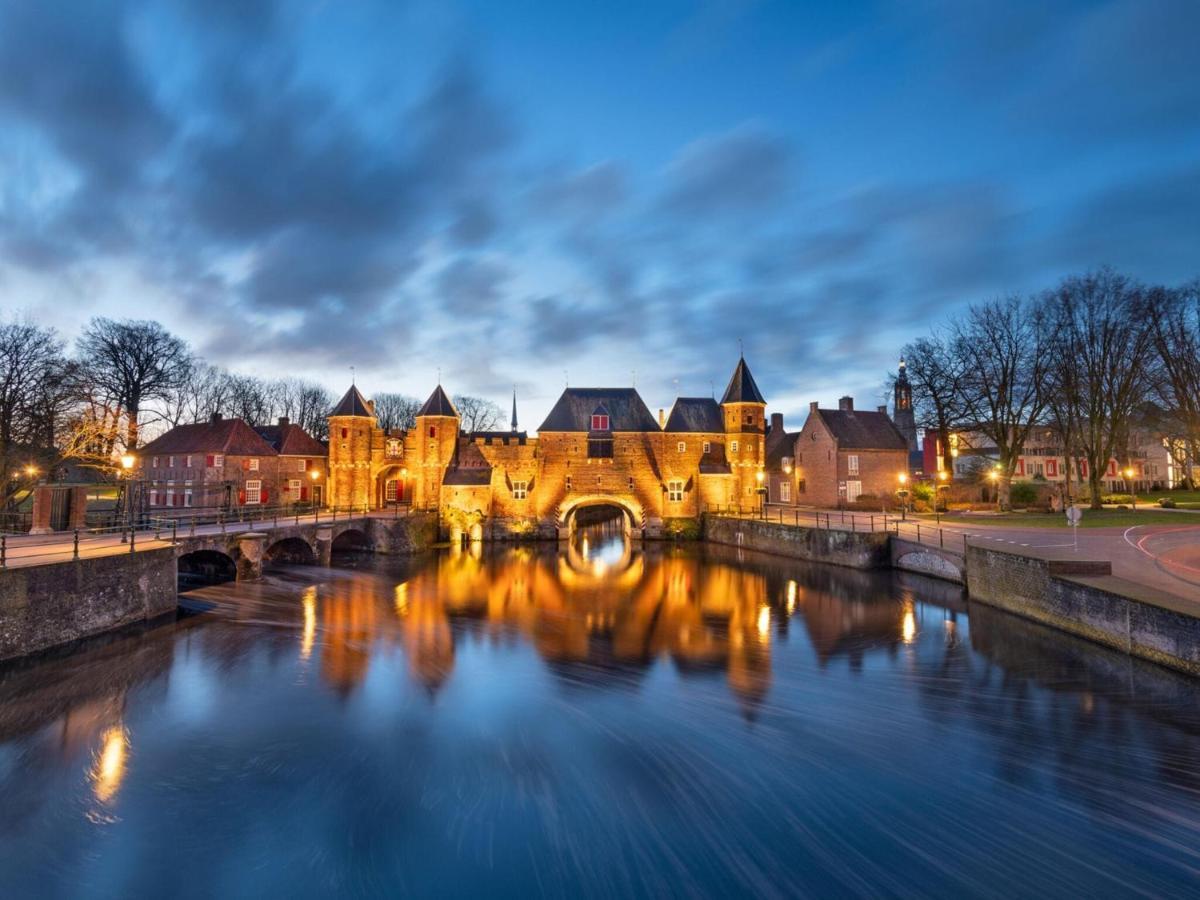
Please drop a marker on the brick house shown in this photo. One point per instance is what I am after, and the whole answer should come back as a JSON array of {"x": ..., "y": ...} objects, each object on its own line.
[
  {"x": 220, "y": 464},
  {"x": 780, "y": 463},
  {"x": 303, "y": 462},
  {"x": 844, "y": 453}
]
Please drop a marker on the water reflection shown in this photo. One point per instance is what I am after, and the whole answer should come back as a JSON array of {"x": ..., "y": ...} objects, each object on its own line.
[{"x": 601, "y": 718}]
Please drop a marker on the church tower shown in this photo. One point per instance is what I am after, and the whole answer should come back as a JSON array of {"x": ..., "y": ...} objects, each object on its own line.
[
  {"x": 745, "y": 413},
  {"x": 902, "y": 414},
  {"x": 436, "y": 439},
  {"x": 350, "y": 426}
]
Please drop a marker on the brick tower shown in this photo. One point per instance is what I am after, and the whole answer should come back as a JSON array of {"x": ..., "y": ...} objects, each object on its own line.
[
  {"x": 902, "y": 415},
  {"x": 436, "y": 439},
  {"x": 745, "y": 413},
  {"x": 350, "y": 427}
]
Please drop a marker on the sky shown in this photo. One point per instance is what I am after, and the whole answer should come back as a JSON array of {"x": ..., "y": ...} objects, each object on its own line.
[{"x": 600, "y": 194}]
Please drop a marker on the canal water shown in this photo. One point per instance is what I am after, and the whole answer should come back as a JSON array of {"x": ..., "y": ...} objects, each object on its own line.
[{"x": 596, "y": 720}]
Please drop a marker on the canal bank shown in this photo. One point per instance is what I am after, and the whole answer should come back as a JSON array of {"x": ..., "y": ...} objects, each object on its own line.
[{"x": 1078, "y": 596}]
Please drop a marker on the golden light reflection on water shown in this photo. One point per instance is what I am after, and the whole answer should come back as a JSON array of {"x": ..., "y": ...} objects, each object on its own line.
[
  {"x": 644, "y": 605},
  {"x": 309, "y": 603},
  {"x": 108, "y": 770}
]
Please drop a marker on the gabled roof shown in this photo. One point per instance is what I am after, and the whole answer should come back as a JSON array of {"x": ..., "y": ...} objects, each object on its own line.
[
  {"x": 778, "y": 444},
  {"x": 229, "y": 436},
  {"x": 700, "y": 415},
  {"x": 625, "y": 407},
  {"x": 291, "y": 440},
  {"x": 438, "y": 404},
  {"x": 742, "y": 388},
  {"x": 861, "y": 430},
  {"x": 352, "y": 404}
]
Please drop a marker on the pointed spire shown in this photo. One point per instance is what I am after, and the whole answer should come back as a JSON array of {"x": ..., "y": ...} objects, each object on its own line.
[
  {"x": 438, "y": 404},
  {"x": 742, "y": 388},
  {"x": 352, "y": 404},
  {"x": 514, "y": 416}
]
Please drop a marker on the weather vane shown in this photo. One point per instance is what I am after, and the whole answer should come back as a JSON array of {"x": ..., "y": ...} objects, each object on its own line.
[{"x": 352, "y": 376}]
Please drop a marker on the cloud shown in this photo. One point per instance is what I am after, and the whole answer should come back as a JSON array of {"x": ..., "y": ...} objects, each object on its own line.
[
  {"x": 744, "y": 170},
  {"x": 472, "y": 286}
]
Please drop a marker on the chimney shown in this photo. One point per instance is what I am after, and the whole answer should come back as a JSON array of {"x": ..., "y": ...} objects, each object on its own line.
[
  {"x": 881, "y": 409},
  {"x": 812, "y": 408},
  {"x": 662, "y": 419},
  {"x": 776, "y": 422},
  {"x": 284, "y": 421},
  {"x": 846, "y": 404},
  {"x": 216, "y": 417}
]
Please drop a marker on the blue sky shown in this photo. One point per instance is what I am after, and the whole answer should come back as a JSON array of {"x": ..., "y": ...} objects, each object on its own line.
[{"x": 509, "y": 192}]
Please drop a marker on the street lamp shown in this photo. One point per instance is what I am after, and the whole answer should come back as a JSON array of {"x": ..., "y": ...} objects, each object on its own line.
[
  {"x": 1129, "y": 473},
  {"x": 127, "y": 463},
  {"x": 759, "y": 476},
  {"x": 902, "y": 493},
  {"x": 943, "y": 478}
]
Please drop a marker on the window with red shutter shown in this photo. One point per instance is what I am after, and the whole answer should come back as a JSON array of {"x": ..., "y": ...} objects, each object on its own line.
[
  {"x": 208, "y": 461},
  {"x": 303, "y": 492},
  {"x": 262, "y": 496}
]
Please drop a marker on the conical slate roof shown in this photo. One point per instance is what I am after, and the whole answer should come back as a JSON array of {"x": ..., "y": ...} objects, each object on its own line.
[
  {"x": 353, "y": 404},
  {"x": 438, "y": 404},
  {"x": 742, "y": 388}
]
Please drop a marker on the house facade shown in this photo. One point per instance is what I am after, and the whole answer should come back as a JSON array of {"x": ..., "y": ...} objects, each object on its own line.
[
  {"x": 842, "y": 454},
  {"x": 597, "y": 447},
  {"x": 222, "y": 464}
]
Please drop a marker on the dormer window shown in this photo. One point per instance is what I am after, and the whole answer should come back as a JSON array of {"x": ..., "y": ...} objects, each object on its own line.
[{"x": 599, "y": 422}]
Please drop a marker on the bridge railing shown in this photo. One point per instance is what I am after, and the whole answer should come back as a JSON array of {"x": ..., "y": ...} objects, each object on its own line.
[
  {"x": 61, "y": 546},
  {"x": 915, "y": 530}
]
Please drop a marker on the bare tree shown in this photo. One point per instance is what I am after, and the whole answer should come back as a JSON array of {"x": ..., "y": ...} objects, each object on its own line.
[
  {"x": 32, "y": 367},
  {"x": 1001, "y": 349},
  {"x": 478, "y": 414},
  {"x": 396, "y": 411},
  {"x": 134, "y": 363},
  {"x": 937, "y": 375},
  {"x": 249, "y": 399},
  {"x": 1174, "y": 324},
  {"x": 1097, "y": 365}
]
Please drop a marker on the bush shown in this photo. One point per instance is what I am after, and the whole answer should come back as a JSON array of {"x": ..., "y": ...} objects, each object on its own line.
[
  {"x": 1167, "y": 503},
  {"x": 922, "y": 490},
  {"x": 682, "y": 529},
  {"x": 1116, "y": 498},
  {"x": 1023, "y": 493},
  {"x": 866, "y": 503}
]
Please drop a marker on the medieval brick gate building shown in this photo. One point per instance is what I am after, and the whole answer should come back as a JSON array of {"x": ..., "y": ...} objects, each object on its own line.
[{"x": 597, "y": 447}]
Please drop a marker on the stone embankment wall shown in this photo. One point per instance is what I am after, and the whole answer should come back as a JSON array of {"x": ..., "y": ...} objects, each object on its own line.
[
  {"x": 44, "y": 606},
  {"x": 1084, "y": 598},
  {"x": 414, "y": 533},
  {"x": 861, "y": 550}
]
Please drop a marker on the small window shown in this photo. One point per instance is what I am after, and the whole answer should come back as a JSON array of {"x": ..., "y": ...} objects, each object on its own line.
[
  {"x": 187, "y": 461},
  {"x": 707, "y": 447},
  {"x": 391, "y": 490},
  {"x": 154, "y": 498},
  {"x": 154, "y": 463},
  {"x": 600, "y": 448},
  {"x": 801, "y": 486},
  {"x": 520, "y": 490},
  {"x": 433, "y": 431},
  {"x": 599, "y": 481},
  {"x": 218, "y": 461},
  {"x": 631, "y": 483},
  {"x": 787, "y": 463},
  {"x": 568, "y": 482},
  {"x": 345, "y": 433},
  {"x": 187, "y": 497},
  {"x": 599, "y": 422},
  {"x": 675, "y": 491},
  {"x": 682, "y": 447},
  {"x": 302, "y": 465},
  {"x": 253, "y": 493},
  {"x": 733, "y": 446},
  {"x": 785, "y": 492},
  {"x": 254, "y": 465},
  {"x": 852, "y": 464},
  {"x": 170, "y": 462},
  {"x": 294, "y": 487}
]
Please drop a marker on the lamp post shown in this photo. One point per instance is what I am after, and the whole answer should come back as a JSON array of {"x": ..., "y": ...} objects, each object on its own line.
[
  {"x": 941, "y": 485},
  {"x": 1129, "y": 473},
  {"x": 759, "y": 477},
  {"x": 127, "y": 462},
  {"x": 902, "y": 493},
  {"x": 994, "y": 476},
  {"x": 313, "y": 476}
]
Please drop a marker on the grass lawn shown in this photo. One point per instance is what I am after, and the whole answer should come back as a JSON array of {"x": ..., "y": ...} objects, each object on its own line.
[{"x": 1092, "y": 518}]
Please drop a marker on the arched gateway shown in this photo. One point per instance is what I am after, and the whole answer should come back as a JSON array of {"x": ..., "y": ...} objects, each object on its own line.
[{"x": 632, "y": 515}]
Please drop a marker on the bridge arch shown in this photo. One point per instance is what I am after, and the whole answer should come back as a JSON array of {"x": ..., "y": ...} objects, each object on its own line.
[
  {"x": 633, "y": 517},
  {"x": 205, "y": 566},
  {"x": 294, "y": 550},
  {"x": 351, "y": 540}
]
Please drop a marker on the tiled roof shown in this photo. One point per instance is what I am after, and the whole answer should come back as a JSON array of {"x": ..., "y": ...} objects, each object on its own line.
[
  {"x": 352, "y": 404},
  {"x": 438, "y": 404},
  {"x": 742, "y": 388},
  {"x": 696, "y": 415},
  {"x": 291, "y": 440},
  {"x": 855, "y": 430},
  {"x": 230, "y": 436},
  {"x": 624, "y": 406},
  {"x": 778, "y": 444}
]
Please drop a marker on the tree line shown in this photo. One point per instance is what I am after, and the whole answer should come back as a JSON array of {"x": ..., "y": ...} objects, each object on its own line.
[
  {"x": 124, "y": 381},
  {"x": 1091, "y": 358}
]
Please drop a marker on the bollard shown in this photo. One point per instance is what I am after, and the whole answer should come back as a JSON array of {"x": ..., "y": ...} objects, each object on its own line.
[
  {"x": 275, "y": 521},
  {"x": 918, "y": 532},
  {"x": 872, "y": 523},
  {"x": 76, "y": 549},
  {"x": 941, "y": 539}
]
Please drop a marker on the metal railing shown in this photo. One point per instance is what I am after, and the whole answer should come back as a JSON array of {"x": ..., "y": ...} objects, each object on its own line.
[{"x": 915, "y": 530}]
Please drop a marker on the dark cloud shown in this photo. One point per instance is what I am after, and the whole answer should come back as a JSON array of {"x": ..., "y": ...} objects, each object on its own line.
[
  {"x": 472, "y": 286},
  {"x": 587, "y": 194},
  {"x": 744, "y": 170}
]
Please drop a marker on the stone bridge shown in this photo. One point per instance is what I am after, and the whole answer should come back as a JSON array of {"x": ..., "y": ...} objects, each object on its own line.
[{"x": 911, "y": 556}]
